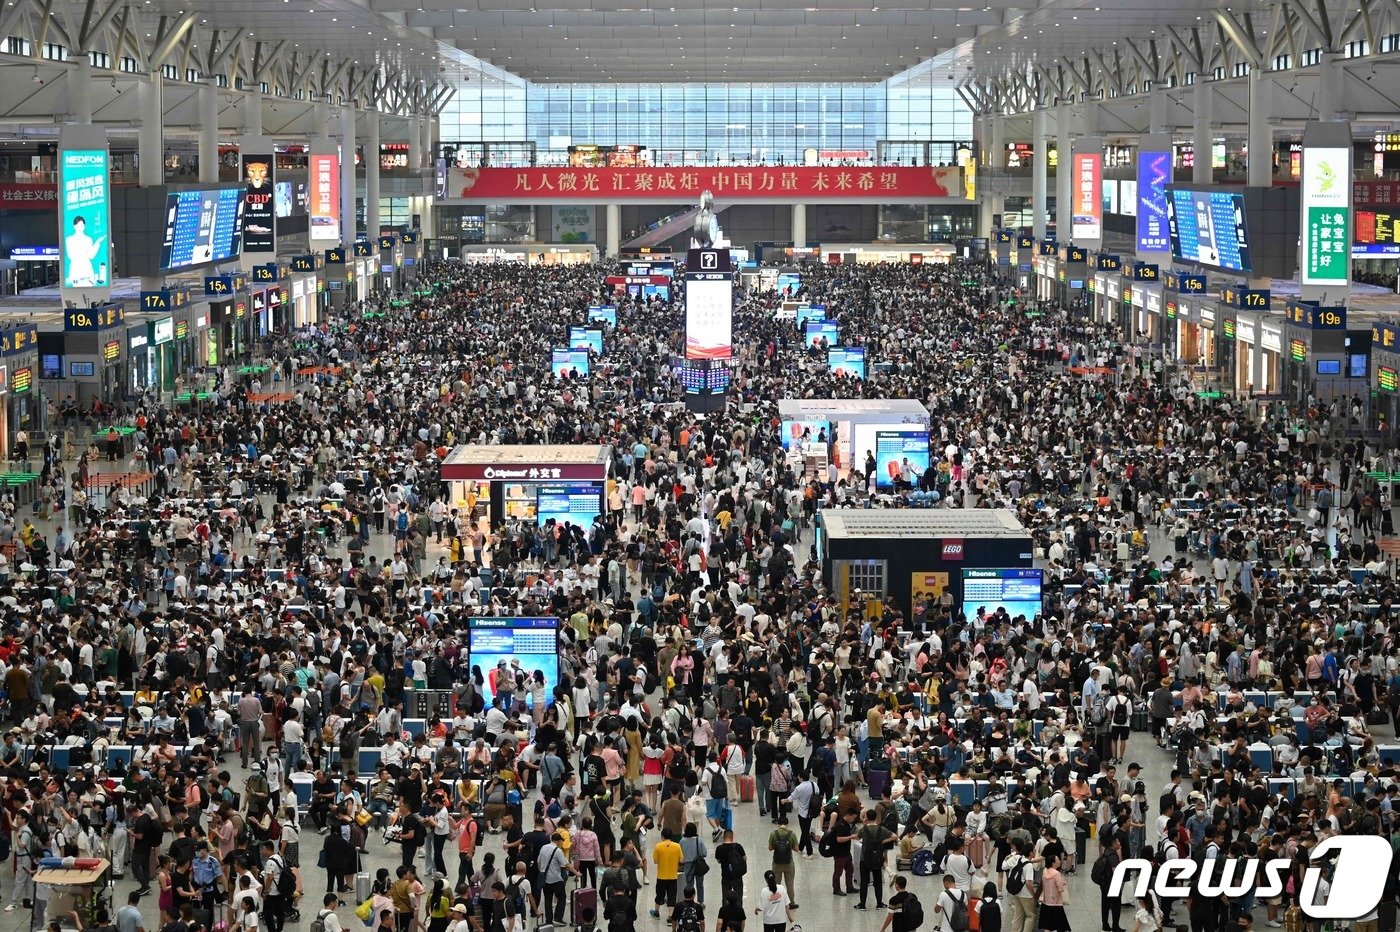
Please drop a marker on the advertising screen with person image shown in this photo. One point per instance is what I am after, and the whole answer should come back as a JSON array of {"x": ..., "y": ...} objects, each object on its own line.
[
  {"x": 504, "y": 648},
  {"x": 83, "y": 186},
  {"x": 802, "y": 433},
  {"x": 901, "y": 456}
]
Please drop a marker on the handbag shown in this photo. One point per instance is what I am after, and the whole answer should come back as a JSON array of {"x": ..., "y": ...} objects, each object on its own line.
[
  {"x": 363, "y": 817},
  {"x": 700, "y": 868}
]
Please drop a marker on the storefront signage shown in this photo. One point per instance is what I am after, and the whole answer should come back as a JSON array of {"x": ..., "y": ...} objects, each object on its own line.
[
  {"x": 201, "y": 321},
  {"x": 138, "y": 339},
  {"x": 19, "y": 340},
  {"x": 111, "y": 350},
  {"x": 1271, "y": 340},
  {"x": 1144, "y": 272},
  {"x": 1325, "y": 228},
  {"x": 162, "y": 331},
  {"x": 263, "y": 274},
  {"x": 1387, "y": 379},
  {"x": 1086, "y": 222},
  {"x": 94, "y": 318},
  {"x": 776, "y": 183},
  {"x": 335, "y": 256},
  {"x": 1186, "y": 284},
  {"x": 1236, "y": 296},
  {"x": 363, "y": 249},
  {"x": 218, "y": 285},
  {"x": 1106, "y": 263},
  {"x": 1297, "y": 350},
  {"x": 1244, "y": 331},
  {"x": 182, "y": 329},
  {"x": 21, "y": 380},
  {"x": 303, "y": 263},
  {"x": 517, "y": 472},
  {"x": 1227, "y": 327}
]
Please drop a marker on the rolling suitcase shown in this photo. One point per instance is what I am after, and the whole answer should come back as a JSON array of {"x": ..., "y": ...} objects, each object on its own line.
[
  {"x": 878, "y": 781},
  {"x": 748, "y": 789},
  {"x": 584, "y": 907},
  {"x": 1141, "y": 720},
  {"x": 363, "y": 884}
]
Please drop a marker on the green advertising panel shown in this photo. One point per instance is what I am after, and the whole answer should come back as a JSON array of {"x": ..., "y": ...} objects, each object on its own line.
[
  {"x": 1326, "y": 233},
  {"x": 84, "y": 218}
]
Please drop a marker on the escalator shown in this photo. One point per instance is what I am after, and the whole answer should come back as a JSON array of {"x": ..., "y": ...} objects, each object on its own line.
[{"x": 659, "y": 232}]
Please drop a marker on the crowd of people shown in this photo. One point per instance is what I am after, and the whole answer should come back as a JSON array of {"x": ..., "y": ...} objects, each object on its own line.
[{"x": 293, "y": 573}]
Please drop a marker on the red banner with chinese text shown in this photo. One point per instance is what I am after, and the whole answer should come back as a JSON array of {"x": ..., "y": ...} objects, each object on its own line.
[
  {"x": 28, "y": 197},
  {"x": 684, "y": 184}
]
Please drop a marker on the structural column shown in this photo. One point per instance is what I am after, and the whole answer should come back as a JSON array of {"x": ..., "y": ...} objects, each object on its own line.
[
  {"x": 415, "y": 143},
  {"x": 612, "y": 219},
  {"x": 799, "y": 225},
  {"x": 79, "y": 87},
  {"x": 372, "y": 173},
  {"x": 209, "y": 132},
  {"x": 347, "y": 175},
  {"x": 1064, "y": 178},
  {"x": 1040, "y": 157},
  {"x": 150, "y": 141},
  {"x": 252, "y": 113},
  {"x": 996, "y": 146},
  {"x": 1331, "y": 82},
  {"x": 1202, "y": 138},
  {"x": 1261, "y": 134}
]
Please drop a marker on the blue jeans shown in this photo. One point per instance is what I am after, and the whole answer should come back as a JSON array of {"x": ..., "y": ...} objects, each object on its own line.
[{"x": 291, "y": 756}]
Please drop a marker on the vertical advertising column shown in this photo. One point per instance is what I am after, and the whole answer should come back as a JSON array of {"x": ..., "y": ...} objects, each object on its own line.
[
  {"x": 1086, "y": 174},
  {"x": 323, "y": 208},
  {"x": 1154, "y": 173},
  {"x": 1324, "y": 227},
  {"x": 84, "y": 215},
  {"x": 709, "y": 332},
  {"x": 259, "y": 200}
]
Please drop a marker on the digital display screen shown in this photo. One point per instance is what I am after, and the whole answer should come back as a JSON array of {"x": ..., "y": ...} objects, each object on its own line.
[
  {"x": 895, "y": 448},
  {"x": 700, "y": 380},
  {"x": 1358, "y": 365},
  {"x": 324, "y": 201},
  {"x": 1386, "y": 378},
  {"x": 1019, "y": 591},
  {"x": 82, "y": 185},
  {"x": 499, "y": 645},
  {"x": 848, "y": 362},
  {"x": 603, "y": 314},
  {"x": 576, "y": 504},
  {"x": 709, "y": 310},
  {"x": 259, "y": 204},
  {"x": 82, "y": 370},
  {"x": 1297, "y": 350},
  {"x": 283, "y": 200},
  {"x": 1154, "y": 173},
  {"x": 564, "y": 362},
  {"x": 588, "y": 338},
  {"x": 201, "y": 227},
  {"x": 794, "y": 431},
  {"x": 1329, "y": 367},
  {"x": 789, "y": 282},
  {"x": 806, "y": 312},
  {"x": 815, "y": 330},
  {"x": 1209, "y": 227}
]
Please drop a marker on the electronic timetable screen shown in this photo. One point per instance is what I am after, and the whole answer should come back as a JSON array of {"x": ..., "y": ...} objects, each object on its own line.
[
  {"x": 1019, "y": 591},
  {"x": 202, "y": 227},
  {"x": 534, "y": 642},
  {"x": 1209, "y": 227}
]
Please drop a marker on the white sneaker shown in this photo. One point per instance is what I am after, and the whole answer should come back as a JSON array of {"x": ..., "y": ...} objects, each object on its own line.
[
  {"x": 1274, "y": 924},
  {"x": 10, "y": 908}
]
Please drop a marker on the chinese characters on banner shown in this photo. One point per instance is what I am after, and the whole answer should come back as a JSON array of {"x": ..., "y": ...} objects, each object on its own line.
[
  {"x": 1087, "y": 220},
  {"x": 324, "y": 210},
  {"x": 1326, "y": 230},
  {"x": 1154, "y": 173},
  {"x": 28, "y": 196},
  {"x": 756, "y": 183}
]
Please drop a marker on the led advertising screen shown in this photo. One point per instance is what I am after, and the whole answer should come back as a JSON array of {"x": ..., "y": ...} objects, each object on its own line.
[
  {"x": 201, "y": 227},
  {"x": 590, "y": 338},
  {"x": 576, "y": 504},
  {"x": 709, "y": 305},
  {"x": 1087, "y": 220},
  {"x": 283, "y": 200},
  {"x": 568, "y": 362},
  {"x": 1154, "y": 173},
  {"x": 84, "y": 218},
  {"x": 259, "y": 204},
  {"x": 895, "y": 448},
  {"x": 1329, "y": 367},
  {"x": 789, "y": 282},
  {"x": 848, "y": 362},
  {"x": 1019, "y": 591},
  {"x": 603, "y": 314},
  {"x": 795, "y": 433},
  {"x": 324, "y": 206},
  {"x": 1209, "y": 227},
  {"x": 499, "y": 646},
  {"x": 806, "y": 312},
  {"x": 1326, "y": 218},
  {"x": 821, "y": 330}
]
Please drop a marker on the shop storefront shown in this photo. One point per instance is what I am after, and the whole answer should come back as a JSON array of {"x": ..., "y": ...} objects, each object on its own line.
[
  {"x": 206, "y": 342},
  {"x": 19, "y": 409},
  {"x": 1047, "y": 264},
  {"x": 1207, "y": 336},
  {"x": 529, "y": 483},
  {"x": 301, "y": 292},
  {"x": 1315, "y": 352},
  {"x": 1154, "y": 327},
  {"x": 220, "y": 342},
  {"x": 161, "y": 347},
  {"x": 1385, "y": 378}
]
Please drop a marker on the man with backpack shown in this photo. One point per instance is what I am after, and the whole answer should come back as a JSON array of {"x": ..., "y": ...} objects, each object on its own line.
[
  {"x": 718, "y": 799},
  {"x": 689, "y": 915},
  {"x": 1020, "y": 889},
  {"x": 906, "y": 912},
  {"x": 279, "y": 887},
  {"x": 783, "y": 844},
  {"x": 875, "y": 840},
  {"x": 1119, "y": 708},
  {"x": 952, "y": 907},
  {"x": 1110, "y": 907}
]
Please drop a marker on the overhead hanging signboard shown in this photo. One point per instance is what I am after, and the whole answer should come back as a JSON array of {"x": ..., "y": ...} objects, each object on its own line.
[
  {"x": 1154, "y": 173},
  {"x": 84, "y": 217},
  {"x": 324, "y": 208},
  {"x": 1087, "y": 219},
  {"x": 774, "y": 184},
  {"x": 1325, "y": 231},
  {"x": 259, "y": 209}
]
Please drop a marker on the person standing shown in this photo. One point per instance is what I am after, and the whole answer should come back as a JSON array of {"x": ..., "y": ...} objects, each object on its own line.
[
  {"x": 875, "y": 840},
  {"x": 1020, "y": 889},
  {"x": 667, "y": 858},
  {"x": 733, "y": 864},
  {"x": 775, "y": 906},
  {"x": 1110, "y": 907},
  {"x": 274, "y": 903},
  {"x": 553, "y": 867},
  {"x": 1054, "y": 897},
  {"x": 250, "y": 712},
  {"x": 783, "y": 843}
]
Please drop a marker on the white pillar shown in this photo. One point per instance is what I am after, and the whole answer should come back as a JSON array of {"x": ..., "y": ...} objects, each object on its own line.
[
  {"x": 150, "y": 137},
  {"x": 1331, "y": 85},
  {"x": 1159, "y": 108},
  {"x": 1261, "y": 133},
  {"x": 428, "y": 127},
  {"x": 321, "y": 117},
  {"x": 347, "y": 175},
  {"x": 1040, "y": 151},
  {"x": 996, "y": 147},
  {"x": 372, "y": 173},
  {"x": 1064, "y": 178},
  {"x": 252, "y": 113},
  {"x": 79, "y": 87},
  {"x": 613, "y": 221},
  {"x": 209, "y": 132},
  {"x": 1202, "y": 138},
  {"x": 415, "y": 143},
  {"x": 799, "y": 225}
]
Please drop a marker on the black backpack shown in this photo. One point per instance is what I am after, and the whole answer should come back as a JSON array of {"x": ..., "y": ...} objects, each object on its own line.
[
  {"x": 719, "y": 786},
  {"x": 782, "y": 847},
  {"x": 1016, "y": 878},
  {"x": 1120, "y": 712},
  {"x": 688, "y": 917},
  {"x": 913, "y": 912}
]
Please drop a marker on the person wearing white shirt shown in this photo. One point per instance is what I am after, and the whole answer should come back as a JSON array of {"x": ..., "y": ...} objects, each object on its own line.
[{"x": 958, "y": 865}]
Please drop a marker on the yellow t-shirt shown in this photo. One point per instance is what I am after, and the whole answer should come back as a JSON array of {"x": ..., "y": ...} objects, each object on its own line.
[
  {"x": 566, "y": 841},
  {"x": 667, "y": 855},
  {"x": 875, "y": 721}
]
